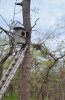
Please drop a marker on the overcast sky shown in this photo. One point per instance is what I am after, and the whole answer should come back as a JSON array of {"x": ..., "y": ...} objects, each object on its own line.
[{"x": 48, "y": 11}]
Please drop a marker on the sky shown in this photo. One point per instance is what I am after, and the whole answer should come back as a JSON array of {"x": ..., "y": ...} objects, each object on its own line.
[{"x": 48, "y": 11}]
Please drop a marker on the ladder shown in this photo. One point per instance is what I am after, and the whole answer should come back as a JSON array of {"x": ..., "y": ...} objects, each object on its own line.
[{"x": 10, "y": 72}]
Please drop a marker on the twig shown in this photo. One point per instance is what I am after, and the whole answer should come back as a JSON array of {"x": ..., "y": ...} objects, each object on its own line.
[
  {"x": 7, "y": 32},
  {"x": 35, "y": 23},
  {"x": 13, "y": 16},
  {"x": 14, "y": 11},
  {"x": 61, "y": 57},
  {"x": 19, "y": 23},
  {"x": 4, "y": 20},
  {"x": 52, "y": 56}
]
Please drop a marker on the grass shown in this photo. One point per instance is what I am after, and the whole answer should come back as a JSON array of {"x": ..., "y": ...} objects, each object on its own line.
[
  {"x": 13, "y": 97},
  {"x": 9, "y": 97}
]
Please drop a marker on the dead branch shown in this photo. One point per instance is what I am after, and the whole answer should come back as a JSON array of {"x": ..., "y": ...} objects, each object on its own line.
[
  {"x": 4, "y": 20},
  {"x": 52, "y": 56},
  {"x": 35, "y": 23},
  {"x": 7, "y": 32},
  {"x": 19, "y": 23},
  {"x": 61, "y": 57}
]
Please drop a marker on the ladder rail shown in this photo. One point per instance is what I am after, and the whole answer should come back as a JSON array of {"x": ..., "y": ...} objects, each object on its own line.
[
  {"x": 4, "y": 76},
  {"x": 10, "y": 77},
  {"x": 12, "y": 73}
]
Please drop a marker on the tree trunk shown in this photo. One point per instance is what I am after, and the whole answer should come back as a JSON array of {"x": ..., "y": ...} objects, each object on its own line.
[
  {"x": 25, "y": 77},
  {"x": 1, "y": 70}
]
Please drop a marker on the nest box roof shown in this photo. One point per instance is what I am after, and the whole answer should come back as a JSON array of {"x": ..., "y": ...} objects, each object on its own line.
[{"x": 17, "y": 28}]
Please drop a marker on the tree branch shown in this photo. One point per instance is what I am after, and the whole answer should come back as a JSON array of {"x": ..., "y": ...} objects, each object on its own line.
[
  {"x": 7, "y": 32},
  {"x": 47, "y": 73},
  {"x": 4, "y": 20},
  {"x": 35, "y": 23}
]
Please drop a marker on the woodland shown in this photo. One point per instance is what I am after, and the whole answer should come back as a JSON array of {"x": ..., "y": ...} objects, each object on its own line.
[{"x": 41, "y": 73}]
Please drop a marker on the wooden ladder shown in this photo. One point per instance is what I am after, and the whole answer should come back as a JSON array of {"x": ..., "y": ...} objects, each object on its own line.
[{"x": 10, "y": 72}]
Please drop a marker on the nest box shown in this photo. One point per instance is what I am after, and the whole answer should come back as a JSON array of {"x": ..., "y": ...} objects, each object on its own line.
[{"x": 19, "y": 35}]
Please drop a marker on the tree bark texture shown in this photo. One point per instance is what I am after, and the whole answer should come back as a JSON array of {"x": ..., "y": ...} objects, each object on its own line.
[{"x": 25, "y": 76}]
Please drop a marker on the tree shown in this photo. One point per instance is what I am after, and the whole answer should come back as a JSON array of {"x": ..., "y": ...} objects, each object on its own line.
[
  {"x": 25, "y": 77},
  {"x": 26, "y": 63}
]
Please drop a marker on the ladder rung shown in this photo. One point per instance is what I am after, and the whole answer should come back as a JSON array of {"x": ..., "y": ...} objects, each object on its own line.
[
  {"x": 7, "y": 74},
  {"x": 13, "y": 64},
  {"x": 10, "y": 69},
  {"x": 16, "y": 58},
  {"x": 10, "y": 73},
  {"x": 3, "y": 81}
]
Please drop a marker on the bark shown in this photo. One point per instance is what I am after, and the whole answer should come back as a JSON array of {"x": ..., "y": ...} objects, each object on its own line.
[
  {"x": 42, "y": 96},
  {"x": 1, "y": 71},
  {"x": 25, "y": 93}
]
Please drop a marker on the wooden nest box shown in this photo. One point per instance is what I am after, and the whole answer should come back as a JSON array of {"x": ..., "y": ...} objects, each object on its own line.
[{"x": 19, "y": 35}]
